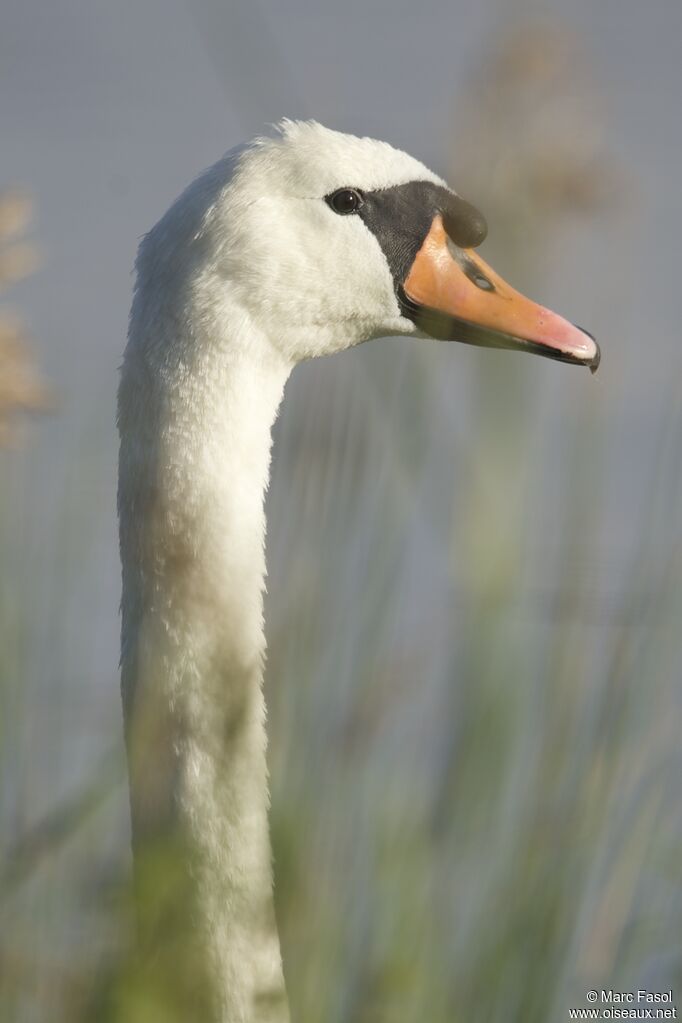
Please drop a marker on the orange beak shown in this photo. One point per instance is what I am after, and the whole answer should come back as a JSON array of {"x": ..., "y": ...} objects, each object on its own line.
[{"x": 451, "y": 293}]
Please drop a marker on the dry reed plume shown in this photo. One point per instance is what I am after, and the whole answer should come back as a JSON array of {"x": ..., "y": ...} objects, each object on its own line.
[{"x": 21, "y": 387}]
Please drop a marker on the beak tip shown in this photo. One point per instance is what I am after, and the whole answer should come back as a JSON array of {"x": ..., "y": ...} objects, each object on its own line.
[{"x": 593, "y": 363}]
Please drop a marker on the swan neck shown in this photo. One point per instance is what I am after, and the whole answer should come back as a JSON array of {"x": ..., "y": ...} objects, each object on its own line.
[{"x": 194, "y": 467}]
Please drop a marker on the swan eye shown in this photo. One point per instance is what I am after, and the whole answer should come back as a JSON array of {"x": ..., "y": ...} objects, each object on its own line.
[{"x": 345, "y": 200}]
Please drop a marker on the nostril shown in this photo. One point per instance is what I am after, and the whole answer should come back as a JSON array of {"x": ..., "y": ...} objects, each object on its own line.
[
  {"x": 475, "y": 274},
  {"x": 482, "y": 282}
]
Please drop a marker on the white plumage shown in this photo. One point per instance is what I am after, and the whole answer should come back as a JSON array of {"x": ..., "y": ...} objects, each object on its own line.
[{"x": 248, "y": 273}]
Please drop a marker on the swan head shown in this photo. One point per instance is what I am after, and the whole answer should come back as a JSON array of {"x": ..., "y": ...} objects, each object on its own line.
[{"x": 325, "y": 240}]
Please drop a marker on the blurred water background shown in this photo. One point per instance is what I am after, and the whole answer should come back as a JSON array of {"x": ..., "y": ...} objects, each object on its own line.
[{"x": 475, "y": 566}]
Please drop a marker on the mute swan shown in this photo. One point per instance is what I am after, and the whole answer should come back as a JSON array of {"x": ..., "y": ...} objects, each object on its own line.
[{"x": 288, "y": 248}]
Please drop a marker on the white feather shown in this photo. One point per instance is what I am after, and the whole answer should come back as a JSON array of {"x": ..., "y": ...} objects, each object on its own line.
[{"x": 248, "y": 273}]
